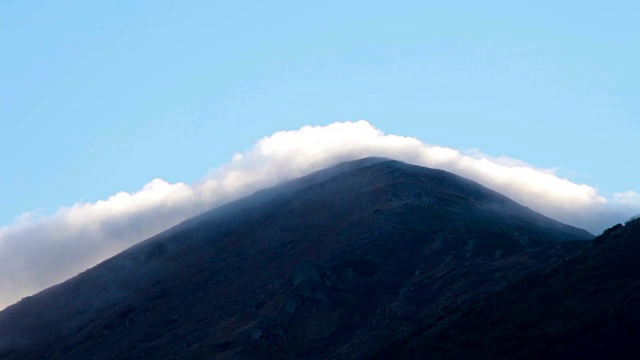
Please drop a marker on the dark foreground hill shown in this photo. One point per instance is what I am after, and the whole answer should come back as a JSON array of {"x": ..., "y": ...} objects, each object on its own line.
[
  {"x": 339, "y": 264},
  {"x": 585, "y": 308}
]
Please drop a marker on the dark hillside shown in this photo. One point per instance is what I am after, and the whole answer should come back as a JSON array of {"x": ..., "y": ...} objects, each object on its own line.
[
  {"x": 332, "y": 265},
  {"x": 585, "y": 308}
]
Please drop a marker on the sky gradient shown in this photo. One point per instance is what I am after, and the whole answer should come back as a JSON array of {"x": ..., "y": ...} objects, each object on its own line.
[{"x": 100, "y": 98}]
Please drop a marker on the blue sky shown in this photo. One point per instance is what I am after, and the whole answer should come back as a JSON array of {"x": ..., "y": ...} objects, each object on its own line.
[{"x": 101, "y": 97}]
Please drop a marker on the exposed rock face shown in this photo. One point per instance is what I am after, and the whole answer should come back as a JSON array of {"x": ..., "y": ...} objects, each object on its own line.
[{"x": 337, "y": 264}]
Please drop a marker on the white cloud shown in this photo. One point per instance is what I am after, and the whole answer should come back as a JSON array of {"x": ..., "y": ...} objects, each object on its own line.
[
  {"x": 37, "y": 252},
  {"x": 629, "y": 199}
]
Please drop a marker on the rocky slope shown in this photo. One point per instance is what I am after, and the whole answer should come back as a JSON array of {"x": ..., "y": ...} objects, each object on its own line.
[
  {"x": 338, "y": 264},
  {"x": 584, "y": 308}
]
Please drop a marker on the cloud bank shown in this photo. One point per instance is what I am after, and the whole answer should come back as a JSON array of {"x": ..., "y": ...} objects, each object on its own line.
[{"x": 39, "y": 251}]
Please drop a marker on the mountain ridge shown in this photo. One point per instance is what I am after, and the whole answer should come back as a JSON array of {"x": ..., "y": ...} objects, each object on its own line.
[{"x": 256, "y": 275}]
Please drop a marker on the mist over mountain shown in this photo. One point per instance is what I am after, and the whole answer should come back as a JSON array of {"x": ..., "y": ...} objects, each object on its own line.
[
  {"x": 336, "y": 264},
  {"x": 40, "y": 250}
]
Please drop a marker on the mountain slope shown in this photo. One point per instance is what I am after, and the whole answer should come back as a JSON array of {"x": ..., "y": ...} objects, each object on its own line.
[
  {"x": 584, "y": 308},
  {"x": 331, "y": 265}
]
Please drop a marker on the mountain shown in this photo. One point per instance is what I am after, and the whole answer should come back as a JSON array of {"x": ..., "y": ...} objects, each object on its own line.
[
  {"x": 341, "y": 263},
  {"x": 584, "y": 308}
]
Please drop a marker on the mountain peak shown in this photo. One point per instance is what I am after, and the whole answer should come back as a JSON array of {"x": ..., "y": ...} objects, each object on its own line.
[{"x": 333, "y": 263}]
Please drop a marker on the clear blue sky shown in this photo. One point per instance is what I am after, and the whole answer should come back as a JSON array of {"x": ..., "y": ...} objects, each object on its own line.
[{"x": 102, "y": 96}]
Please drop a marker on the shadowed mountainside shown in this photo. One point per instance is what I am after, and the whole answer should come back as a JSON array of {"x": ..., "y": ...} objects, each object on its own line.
[
  {"x": 336, "y": 264},
  {"x": 584, "y": 308}
]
